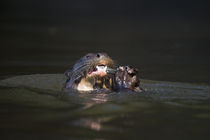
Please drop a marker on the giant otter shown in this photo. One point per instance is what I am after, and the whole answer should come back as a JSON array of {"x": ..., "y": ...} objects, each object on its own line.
[{"x": 98, "y": 71}]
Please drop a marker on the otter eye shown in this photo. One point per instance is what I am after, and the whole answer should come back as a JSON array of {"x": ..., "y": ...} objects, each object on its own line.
[{"x": 98, "y": 55}]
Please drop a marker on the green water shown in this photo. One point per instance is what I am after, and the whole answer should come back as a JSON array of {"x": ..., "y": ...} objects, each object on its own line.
[{"x": 35, "y": 107}]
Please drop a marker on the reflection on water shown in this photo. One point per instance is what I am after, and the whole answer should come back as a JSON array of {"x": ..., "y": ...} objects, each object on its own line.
[
  {"x": 95, "y": 124},
  {"x": 101, "y": 97}
]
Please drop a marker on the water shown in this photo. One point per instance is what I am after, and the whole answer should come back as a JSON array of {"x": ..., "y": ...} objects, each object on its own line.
[{"x": 32, "y": 106}]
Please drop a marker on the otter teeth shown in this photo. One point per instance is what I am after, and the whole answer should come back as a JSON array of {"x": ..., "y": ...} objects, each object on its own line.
[{"x": 101, "y": 67}]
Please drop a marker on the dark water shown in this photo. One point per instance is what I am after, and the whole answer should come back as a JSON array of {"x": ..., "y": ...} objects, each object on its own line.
[{"x": 33, "y": 107}]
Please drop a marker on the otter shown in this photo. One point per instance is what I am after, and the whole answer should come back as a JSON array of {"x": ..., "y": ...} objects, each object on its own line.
[
  {"x": 96, "y": 71},
  {"x": 89, "y": 72}
]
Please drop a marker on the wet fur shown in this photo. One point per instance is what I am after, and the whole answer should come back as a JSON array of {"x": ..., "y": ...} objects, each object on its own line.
[
  {"x": 78, "y": 78},
  {"x": 79, "y": 73}
]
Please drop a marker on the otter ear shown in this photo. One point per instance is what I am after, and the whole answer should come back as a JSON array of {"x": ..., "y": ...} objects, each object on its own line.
[
  {"x": 87, "y": 56},
  {"x": 67, "y": 73}
]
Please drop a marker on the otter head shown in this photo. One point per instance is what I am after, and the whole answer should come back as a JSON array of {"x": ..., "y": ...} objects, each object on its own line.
[
  {"x": 89, "y": 68},
  {"x": 126, "y": 77},
  {"x": 98, "y": 64}
]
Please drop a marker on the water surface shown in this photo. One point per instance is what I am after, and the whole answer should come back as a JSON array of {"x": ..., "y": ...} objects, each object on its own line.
[{"x": 34, "y": 106}]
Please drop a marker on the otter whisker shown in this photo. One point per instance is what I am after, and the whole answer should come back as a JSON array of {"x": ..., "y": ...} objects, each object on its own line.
[
  {"x": 79, "y": 73},
  {"x": 79, "y": 65},
  {"x": 89, "y": 71}
]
